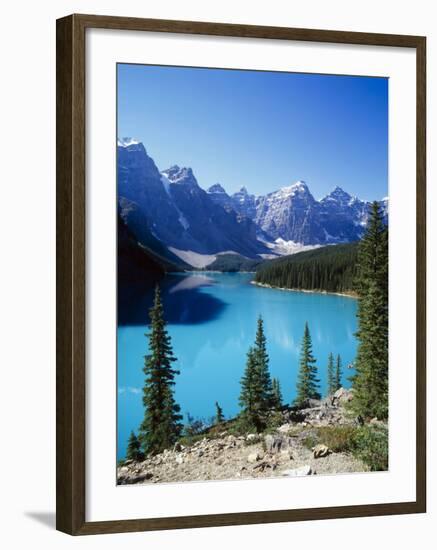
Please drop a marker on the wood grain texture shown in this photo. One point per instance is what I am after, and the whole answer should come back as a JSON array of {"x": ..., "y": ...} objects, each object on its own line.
[
  {"x": 71, "y": 273},
  {"x": 70, "y": 282},
  {"x": 421, "y": 274}
]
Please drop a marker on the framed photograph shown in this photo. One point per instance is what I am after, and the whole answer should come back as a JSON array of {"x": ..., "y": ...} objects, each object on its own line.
[{"x": 240, "y": 274}]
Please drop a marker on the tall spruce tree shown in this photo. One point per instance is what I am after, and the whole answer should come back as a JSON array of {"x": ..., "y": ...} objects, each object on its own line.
[
  {"x": 162, "y": 422},
  {"x": 262, "y": 360},
  {"x": 219, "y": 417},
  {"x": 370, "y": 382},
  {"x": 133, "y": 451},
  {"x": 256, "y": 397},
  {"x": 307, "y": 381},
  {"x": 332, "y": 388},
  {"x": 338, "y": 373},
  {"x": 248, "y": 399},
  {"x": 277, "y": 394}
]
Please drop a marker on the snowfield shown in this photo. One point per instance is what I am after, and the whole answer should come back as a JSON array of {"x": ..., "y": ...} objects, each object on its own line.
[{"x": 193, "y": 258}]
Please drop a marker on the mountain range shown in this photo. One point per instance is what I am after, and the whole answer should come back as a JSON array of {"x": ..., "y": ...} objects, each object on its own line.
[{"x": 171, "y": 214}]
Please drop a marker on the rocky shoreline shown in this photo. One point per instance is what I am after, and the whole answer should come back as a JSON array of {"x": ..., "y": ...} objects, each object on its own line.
[
  {"x": 301, "y": 443},
  {"x": 350, "y": 294}
]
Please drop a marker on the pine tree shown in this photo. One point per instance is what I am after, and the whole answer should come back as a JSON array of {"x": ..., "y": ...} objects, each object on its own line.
[
  {"x": 277, "y": 394},
  {"x": 332, "y": 388},
  {"x": 338, "y": 373},
  {"x": 162, "y": 422},
  {"x": 307, "y": 381},
  {"x": 370, "y": 382},
  {"x": 262, "y": 360},
  {"x": 133, "y": 451},
  {"x": 248, "y": 396},
  {"x": 256, "y": 397},
  {"x": 219, "y": 418}
]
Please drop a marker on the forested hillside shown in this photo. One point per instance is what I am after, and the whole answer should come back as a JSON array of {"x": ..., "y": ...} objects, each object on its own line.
[
  {"x": 232, "y": 263},
  {"x": 330, "y": 268}
]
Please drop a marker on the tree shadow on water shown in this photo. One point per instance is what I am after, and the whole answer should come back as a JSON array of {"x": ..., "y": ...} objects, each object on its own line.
[{"x": 184, "y": 302}]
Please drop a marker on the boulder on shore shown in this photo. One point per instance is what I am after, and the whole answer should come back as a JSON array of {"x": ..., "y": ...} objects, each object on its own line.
[{"x": 320, "y": 451}]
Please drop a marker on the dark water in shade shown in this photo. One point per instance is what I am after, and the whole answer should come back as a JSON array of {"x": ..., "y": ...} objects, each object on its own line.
[{"x": 212, "y": 321}]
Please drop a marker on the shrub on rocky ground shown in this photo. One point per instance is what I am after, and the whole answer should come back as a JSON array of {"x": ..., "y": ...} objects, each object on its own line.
[
  {"x": 367, "y": 443},
  {"x": 371, "y": 446},
  {"x": 337, "y": 438},
  {"x": 241, "y": 426},
  {"x": 274, "y": 420}
]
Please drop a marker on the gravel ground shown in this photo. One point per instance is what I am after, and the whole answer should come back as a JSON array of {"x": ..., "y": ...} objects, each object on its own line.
[{"x": 231, "y": 457}]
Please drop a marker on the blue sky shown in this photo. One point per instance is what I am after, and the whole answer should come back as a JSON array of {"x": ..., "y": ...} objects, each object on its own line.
[{"x": 264, "y": 130}]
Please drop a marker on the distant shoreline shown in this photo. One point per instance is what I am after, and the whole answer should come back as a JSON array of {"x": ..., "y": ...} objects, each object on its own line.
[{"x": 350, "y": 294}]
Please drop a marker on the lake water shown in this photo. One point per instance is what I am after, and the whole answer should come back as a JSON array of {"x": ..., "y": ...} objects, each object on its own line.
[{"x": 212, "y": 322}]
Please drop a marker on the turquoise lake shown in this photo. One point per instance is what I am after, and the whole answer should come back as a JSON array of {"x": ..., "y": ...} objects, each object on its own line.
[{"x": 212, "y": 321}]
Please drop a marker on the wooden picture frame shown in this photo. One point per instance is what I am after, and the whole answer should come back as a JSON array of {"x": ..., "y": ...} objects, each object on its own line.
[{"x": 71, "y": 283}]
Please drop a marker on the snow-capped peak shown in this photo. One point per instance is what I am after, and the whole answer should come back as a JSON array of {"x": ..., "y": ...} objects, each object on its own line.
[
  {"x": 338, "y": 191},
  {"x": 339, "y": 195},
  {"x": 127, "y": 142},
  {"x": 291, "y": 190},
  {"x": 216, "y": 188},
  {"x": 178, "y": 175}
]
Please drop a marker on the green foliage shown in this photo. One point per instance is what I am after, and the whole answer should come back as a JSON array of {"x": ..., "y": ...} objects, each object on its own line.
[
  {"x": 338, "y": 373},
  {"x": 161, "y": 426},
  {"x": 334, "y": 374},
  {"x": 274, "y": 420},
  {"x": 307, "y": 381},
  {"x": 370, "y": 382},
  {"x": 277, "y": 394},
  {"x": 329, "y": 268},
  {"x": 243, "y": 424},
  {"x": 310, "y": 440},
  {"x": 219, "y": 418},
  {"x": 256, "y": 396},
  {"x": 337, "y": 438},
  {"x": 232, "y": 263},
  {"x": 262, "y": 361},
  {"x": 331, "y": 375},
  {"x": 194, "y": 426},
  {"x": 371, "y": 446},
  {"x": 133, "y": 451},
  {"x": 247, "y": 400},
  {"x": 367, "y": 443}
]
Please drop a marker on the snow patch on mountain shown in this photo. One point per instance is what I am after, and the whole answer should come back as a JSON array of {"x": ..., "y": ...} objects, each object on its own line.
[
  {"x": 216, "y": 188},
  {"x": 182, "y": 219},
  {"x": 166, "y": 183},
  {"x": 281, "y": 247},
  {"x": 330, "y": 239},
  {"x": 193, "y": 258},
  {"x": 127, "y": 142},
  {"x": 292, "y": 190},
  {"x": 180, "y": 176}
]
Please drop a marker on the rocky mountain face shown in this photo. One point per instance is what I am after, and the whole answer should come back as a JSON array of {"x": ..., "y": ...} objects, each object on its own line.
[
  {"x": 173, "y": 208},
  {"x": 293, "y": 214},
  {"x": 245, "y": 203},
  {"x": 342, "y": 216},
  {"x": 170, "y": 208},
  {"x": 219, "y": 196}
]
